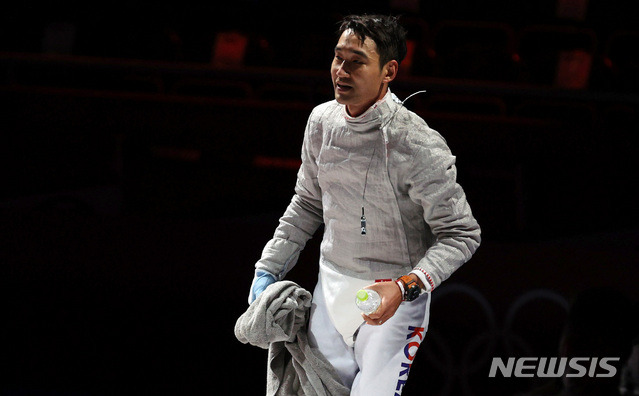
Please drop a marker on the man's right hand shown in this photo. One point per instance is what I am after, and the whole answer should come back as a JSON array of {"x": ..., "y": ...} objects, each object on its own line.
[{"x": 261, "y": 281}]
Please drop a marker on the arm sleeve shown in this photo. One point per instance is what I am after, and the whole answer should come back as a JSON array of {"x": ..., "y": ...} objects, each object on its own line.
[
  {"x": 433, "y": 185},
  {"x": 303, "y": 215}
]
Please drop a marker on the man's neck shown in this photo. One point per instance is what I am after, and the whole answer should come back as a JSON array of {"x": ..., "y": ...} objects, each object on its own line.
[{"x": 356, "y": 111}]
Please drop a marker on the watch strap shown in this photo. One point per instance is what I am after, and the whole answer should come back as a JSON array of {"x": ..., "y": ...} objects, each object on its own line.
[{"x": 409, "y": 286}]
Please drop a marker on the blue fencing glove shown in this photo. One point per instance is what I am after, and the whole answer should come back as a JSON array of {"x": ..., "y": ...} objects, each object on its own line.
[{"x": 260, "y": 283}]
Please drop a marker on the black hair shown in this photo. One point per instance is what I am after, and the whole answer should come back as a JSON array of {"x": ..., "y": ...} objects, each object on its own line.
[{"x": 385, "y": 31}]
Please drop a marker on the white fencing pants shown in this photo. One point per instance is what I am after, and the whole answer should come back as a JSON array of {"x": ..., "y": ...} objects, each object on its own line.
[{"x": 381, "y": 357}]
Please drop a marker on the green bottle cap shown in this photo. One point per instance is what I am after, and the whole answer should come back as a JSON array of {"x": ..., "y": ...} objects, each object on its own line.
[{"x": 362, "y": 295}]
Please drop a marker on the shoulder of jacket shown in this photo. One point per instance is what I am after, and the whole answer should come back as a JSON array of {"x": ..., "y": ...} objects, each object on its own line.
[
  {"x": 415, "y": 133},
  {"x": 321, "y": 110}
]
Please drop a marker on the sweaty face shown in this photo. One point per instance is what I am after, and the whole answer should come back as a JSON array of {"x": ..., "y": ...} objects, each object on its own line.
[{"x": 358, "y": 80}]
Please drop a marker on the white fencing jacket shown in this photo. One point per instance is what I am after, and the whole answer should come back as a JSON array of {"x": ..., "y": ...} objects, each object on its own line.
[{"x": 389, "y": 162}]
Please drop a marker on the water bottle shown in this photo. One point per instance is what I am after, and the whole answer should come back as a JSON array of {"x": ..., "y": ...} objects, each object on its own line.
[{"x": 368, "y": 301}]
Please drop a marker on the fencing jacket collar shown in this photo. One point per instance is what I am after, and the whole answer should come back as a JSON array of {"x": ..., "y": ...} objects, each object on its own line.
[{"x": 376, "y": 115}]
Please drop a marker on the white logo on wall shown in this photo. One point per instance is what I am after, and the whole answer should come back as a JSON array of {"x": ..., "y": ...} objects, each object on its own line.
[{"x": 554, "y": 367}]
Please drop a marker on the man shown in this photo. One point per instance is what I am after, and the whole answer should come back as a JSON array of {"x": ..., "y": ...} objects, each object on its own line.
[{"x": 384, "y": 185}]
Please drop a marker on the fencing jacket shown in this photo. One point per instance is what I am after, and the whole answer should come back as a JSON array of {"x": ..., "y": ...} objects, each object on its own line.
[{"x": 389, "y": 167}]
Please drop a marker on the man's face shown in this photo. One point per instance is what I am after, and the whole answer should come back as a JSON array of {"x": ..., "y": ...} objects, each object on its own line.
[{"x": 358, "y": 80}]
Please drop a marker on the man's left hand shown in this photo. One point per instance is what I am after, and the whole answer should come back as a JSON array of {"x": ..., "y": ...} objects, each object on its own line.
[{"x": 391, "y": 298}]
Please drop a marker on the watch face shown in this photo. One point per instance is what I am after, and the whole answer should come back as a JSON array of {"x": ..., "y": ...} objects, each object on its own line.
[{"x": 413, "y": 293}]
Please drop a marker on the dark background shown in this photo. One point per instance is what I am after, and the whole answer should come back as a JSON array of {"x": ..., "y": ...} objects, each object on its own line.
[{"x": 144, "y": 169}]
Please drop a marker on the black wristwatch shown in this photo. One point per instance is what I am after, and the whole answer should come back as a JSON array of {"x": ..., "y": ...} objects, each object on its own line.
[{"x": 410, "y": 287}]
